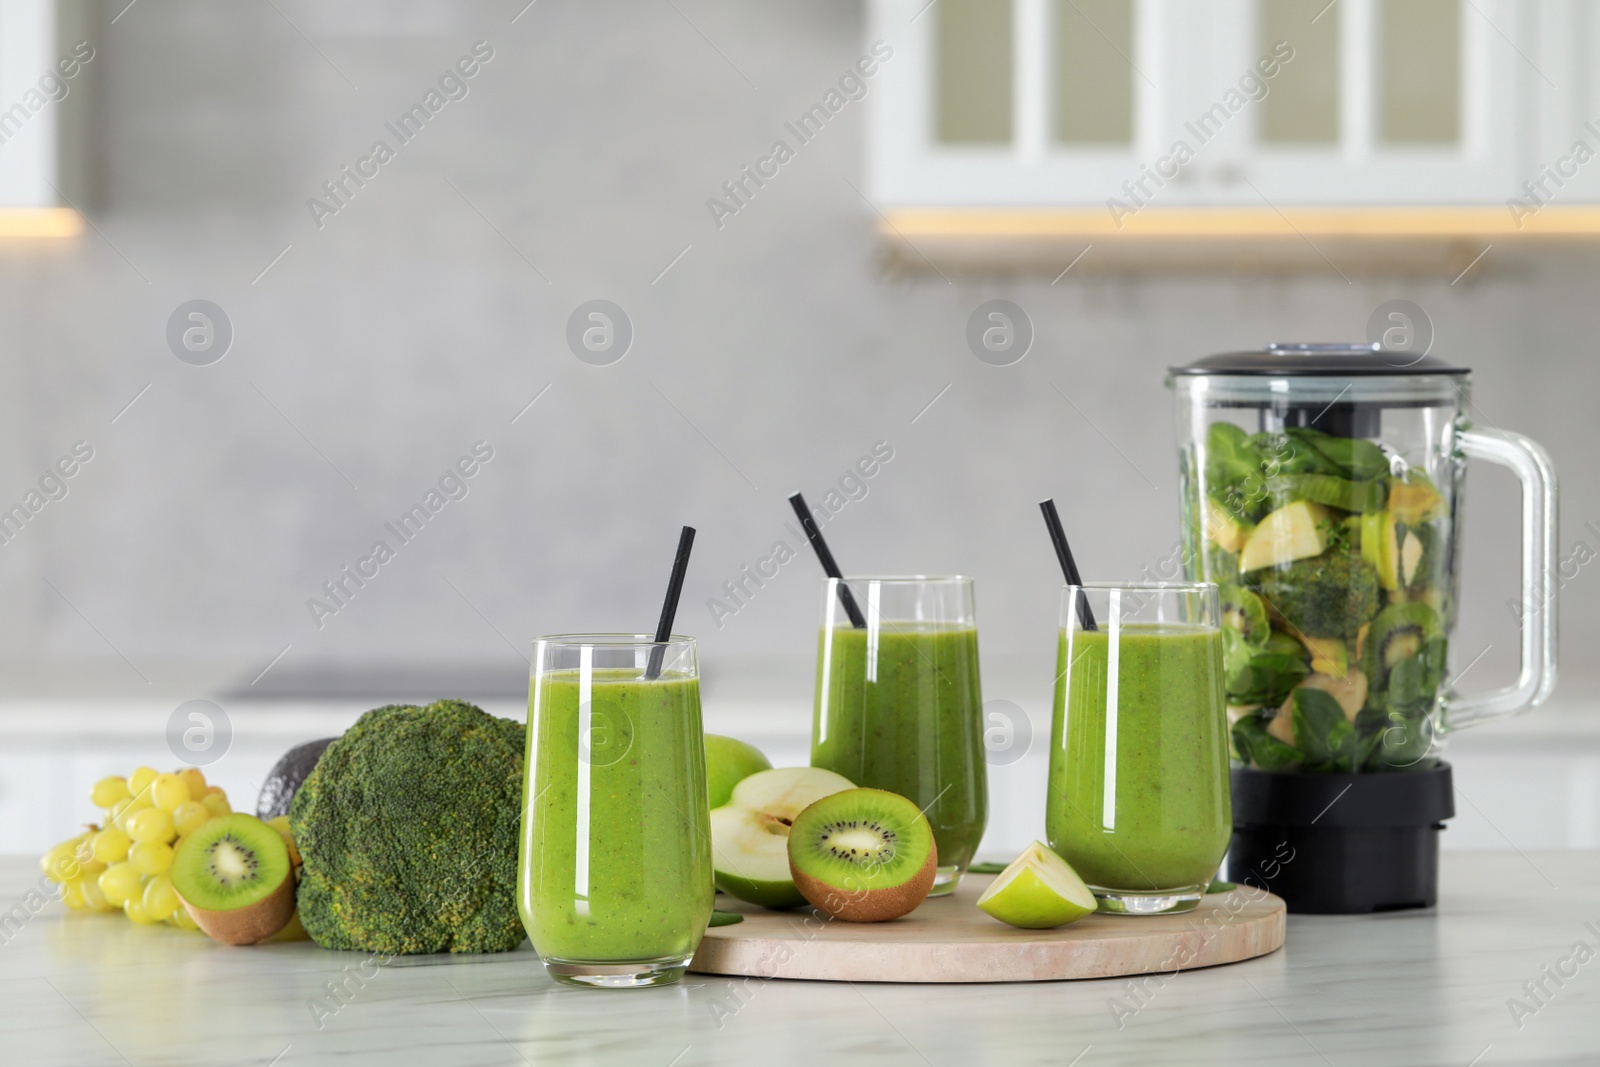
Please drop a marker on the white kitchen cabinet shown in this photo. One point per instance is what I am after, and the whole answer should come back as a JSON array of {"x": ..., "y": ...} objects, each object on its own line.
[
  {"x": 1417, "y": 117},
  {"x": 48, "y": 64}
]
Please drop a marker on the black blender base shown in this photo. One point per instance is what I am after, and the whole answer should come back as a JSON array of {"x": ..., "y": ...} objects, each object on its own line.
[
  {"x": 1339, "y": 872},
  {"x": 1341, "y": 844}
]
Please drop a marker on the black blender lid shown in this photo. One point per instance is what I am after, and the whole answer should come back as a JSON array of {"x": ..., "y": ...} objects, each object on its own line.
[{"x": 1320, "y": 360}]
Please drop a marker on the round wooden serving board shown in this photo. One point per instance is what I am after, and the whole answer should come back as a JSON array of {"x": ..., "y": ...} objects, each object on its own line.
[{"x": 948, "y": 939}]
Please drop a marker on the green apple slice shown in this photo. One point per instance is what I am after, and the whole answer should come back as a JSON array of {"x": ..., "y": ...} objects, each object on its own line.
[
  {"x": 1292, "y": 532},
  {"x": 750, "y": 834},
  {"x": 1038, "y": 891},
  {"x": 1226, "y": 530}
]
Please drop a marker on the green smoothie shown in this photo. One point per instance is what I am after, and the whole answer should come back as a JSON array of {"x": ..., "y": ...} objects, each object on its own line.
[
  {"x": 901, "y": 709},
  {"x": 616, "y": 840},
  {"x": 1152, "y": 721}
]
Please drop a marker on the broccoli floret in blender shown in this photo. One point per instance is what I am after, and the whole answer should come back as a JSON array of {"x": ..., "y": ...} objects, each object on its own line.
[{"x": 1331, "y": 595}]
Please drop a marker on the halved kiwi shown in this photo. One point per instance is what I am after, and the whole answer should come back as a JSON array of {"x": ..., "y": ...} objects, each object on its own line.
[
  {"x": 863, "y": 855},
  {"x": 235, "y": 879}
]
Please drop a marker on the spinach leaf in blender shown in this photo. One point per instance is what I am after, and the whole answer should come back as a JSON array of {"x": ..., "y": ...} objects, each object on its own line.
[
  {"x": 1352, "y": 457},
  {"x": 1322, "y": 732},
  {"x": 1266, "y": 677},
  {"x": 1257, "y": 747}
]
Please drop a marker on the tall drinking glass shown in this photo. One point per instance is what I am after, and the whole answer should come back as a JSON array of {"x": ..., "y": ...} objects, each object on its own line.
[
  {"x": 615, "y": 878},
  {"x": 899, "y": 705},
  {"x": 1139, "y": 800}
]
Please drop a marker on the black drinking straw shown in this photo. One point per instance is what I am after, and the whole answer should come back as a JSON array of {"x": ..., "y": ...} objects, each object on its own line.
[
  {"x": 680, "y": 563},
  {"x": 814, "y": 535},
  {"x": 1069, "y": 569}
]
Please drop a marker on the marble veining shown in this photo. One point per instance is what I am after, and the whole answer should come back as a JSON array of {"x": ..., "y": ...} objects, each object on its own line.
[{"x": 1407, "y": 988}]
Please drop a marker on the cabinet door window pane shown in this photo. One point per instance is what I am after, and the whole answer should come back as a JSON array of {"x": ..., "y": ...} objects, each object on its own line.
[
  {"x": 1094, "y": 71},
  {"x": 974, "y": 71},
  {"x": 1302, "y": 105},
  {"x": 1420, "y": 71}
]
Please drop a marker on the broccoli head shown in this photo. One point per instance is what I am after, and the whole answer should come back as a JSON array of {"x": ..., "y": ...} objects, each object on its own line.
[
  {"x": 1331, "y": 595},
  {"x": 408, "y": 828}
]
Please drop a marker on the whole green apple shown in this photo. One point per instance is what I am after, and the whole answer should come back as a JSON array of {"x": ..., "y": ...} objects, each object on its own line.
[{"x": 729, "y": 762}]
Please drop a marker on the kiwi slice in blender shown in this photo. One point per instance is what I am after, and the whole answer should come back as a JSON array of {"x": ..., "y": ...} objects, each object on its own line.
[
  {"x": 235, "y": 879},
  {"x": 863, "y": 855},
  {"x": 1398, "y": 633},
  {"x": 1244, "y": 612}
]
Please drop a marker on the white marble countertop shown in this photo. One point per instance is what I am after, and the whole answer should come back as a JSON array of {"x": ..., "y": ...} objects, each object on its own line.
[{"x": 1402, "y": 988}]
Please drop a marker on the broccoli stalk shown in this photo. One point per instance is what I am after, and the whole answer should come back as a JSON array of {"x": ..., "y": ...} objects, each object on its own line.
[
  {"x": 408, "y": 828},
  {"x": 1331, "y": 595}
]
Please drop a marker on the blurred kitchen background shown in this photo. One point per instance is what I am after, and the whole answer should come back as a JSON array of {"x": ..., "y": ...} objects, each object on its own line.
[{"x": 378, "y": 318}]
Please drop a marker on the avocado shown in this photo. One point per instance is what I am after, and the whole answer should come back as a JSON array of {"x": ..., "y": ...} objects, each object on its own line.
[
  {"x": 1415, "y": 502},
  {"x": 283, "y": 781},
  {"x": 1329, "y": 655},
  {"x": 1292, "y": 532}
]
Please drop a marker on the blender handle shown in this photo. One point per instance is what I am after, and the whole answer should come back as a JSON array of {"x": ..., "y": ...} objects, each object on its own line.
[{"x": 1537, "y": 610}]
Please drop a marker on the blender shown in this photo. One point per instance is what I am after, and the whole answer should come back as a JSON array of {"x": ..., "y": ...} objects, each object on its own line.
[{"x": 1323, "y": 491}]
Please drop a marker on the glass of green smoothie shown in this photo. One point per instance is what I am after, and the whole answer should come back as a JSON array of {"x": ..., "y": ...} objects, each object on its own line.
[
  {"x": 615, "y": 878},
  {"x": 1139, "y": 798},
  {"x": 899, "y": 705}
]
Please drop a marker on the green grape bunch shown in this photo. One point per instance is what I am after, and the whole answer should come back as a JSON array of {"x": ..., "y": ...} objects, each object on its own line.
[{"x": 122, "y": 863}]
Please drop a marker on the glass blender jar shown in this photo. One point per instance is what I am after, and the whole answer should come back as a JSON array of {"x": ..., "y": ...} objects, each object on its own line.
[{"x": 1322, "y": 489}]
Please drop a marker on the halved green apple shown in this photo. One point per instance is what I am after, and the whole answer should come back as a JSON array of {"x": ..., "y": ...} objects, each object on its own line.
[{"x": 750, "y": 834}]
